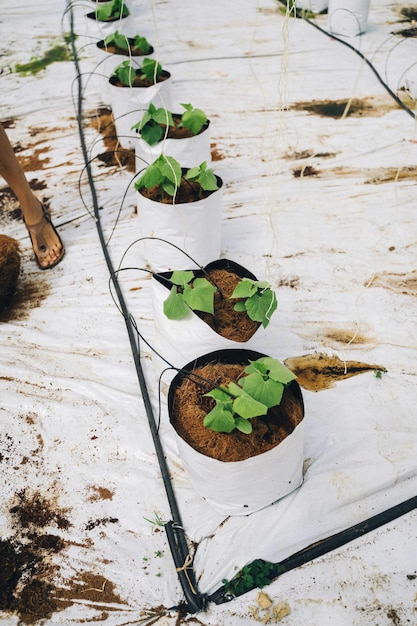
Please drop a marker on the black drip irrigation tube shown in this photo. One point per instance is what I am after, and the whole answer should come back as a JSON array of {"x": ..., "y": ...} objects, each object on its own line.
[
  {"x": 183, "y": 560},
  {"x": 195, "y": 601},
  {"x": 393, "y": 95}
]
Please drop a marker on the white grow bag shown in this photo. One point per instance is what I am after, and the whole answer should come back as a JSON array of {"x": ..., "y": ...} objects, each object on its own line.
[
  {"x": 243, "y": 487},
  {"x": 129, "y": 103},
  {"x": 194, "y": 227},
  {"x": 190, "y": 151},
  {"x": 315, "y": 6},
  {"x": 99, "y": 30},
  {"x": 181, "y": 341},
  {"x": 348, "y": 17}
]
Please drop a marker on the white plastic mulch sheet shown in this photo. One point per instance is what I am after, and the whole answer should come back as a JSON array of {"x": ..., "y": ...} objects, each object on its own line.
[{"x": 319, "y": 202}]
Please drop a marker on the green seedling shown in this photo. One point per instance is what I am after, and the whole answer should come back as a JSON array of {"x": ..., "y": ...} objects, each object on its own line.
[
  {"x": 259, "y": 301},
  {"x": 158, "y": 521},
  {"x": 255, "y": 574},
  {"x": 118, "y": 40},
  {"x": 166, "y": 172},
  {"x": 150, "y": 70},
  {"x": 260, "y": 389},
  {"x": 152, "y": 126},
  {"x": 115, "y": 9},
  {"x": 188, "y": 292}
]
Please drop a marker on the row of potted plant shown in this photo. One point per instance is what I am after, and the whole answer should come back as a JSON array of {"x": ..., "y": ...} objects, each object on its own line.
[{"x": 237, "y": 413}]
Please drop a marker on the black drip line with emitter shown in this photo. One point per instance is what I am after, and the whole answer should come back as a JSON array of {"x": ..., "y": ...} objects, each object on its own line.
[{"x": 195, "y": 601}]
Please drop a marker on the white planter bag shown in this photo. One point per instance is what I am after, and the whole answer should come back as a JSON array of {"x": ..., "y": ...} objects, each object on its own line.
[
  {"x": 243, "y": 487},
  {"x": 99, "y": 30},
  {"x": 195, "y": 227},
  {"x": 190, "y": 151},
  {"x": 348, "y": 18},
  {"x": 107, "y": 63},
  {"x": 129, "y": 103},
  {"x": 181, "y": 341},
  {"x": 315, "y": 6}
]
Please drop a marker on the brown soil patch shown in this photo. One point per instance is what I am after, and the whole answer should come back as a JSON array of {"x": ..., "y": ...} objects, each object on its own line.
[
  {"x": 231, "y": 324},
  {"x": 307, "y": 170},
  {"x": 91, "y": 587},
  {"x": 100, "y": 493},
  {"x": 365, "y": 107},
  {"x": 10, "y": 262},
  {"x": 190, "y": 407},
  {"x": 316, "y": 372},
  {"x": 29, "y": 294},
  {"x": 216, "y": 154},
  {"x": 27, "y": 566},
  {"x": 399, "y": 283},
  {"x": 115, "y": 155}
]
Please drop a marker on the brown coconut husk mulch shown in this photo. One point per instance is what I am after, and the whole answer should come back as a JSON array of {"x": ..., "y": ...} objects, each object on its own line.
[
  {"x": 190, "y": 408},
  {"x": 10, "y": 262}
]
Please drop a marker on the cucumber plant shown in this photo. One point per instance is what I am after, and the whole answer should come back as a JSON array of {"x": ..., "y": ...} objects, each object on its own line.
[
  {"x": 154, "y": 121},
  {"x": 150, "y": 70},
  {"x": 166, "y": 173},
  {"x": 258, "y": 300},
  {"x": 113, "y": 10},
  {"x": 188, "y": 292},
  {"x": 260, "y": 389},
  {"x": 118, "y": 40}
]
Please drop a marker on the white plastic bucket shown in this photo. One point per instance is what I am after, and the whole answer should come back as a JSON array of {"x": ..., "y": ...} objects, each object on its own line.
[
  {"x": 348, "y": 18},
  {"x": 243, "y": 487}
]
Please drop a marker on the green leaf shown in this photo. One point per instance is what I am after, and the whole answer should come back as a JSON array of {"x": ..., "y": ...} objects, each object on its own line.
[
  {"x": 151, "y": 133},
  {"x": 193, "y": 119},
  {"x": 142, "y": 44},
  {"x": 261, "y": 305},
  {"x": 244, "y": 289},
  {"x": 181, "y": 277},
  {"x": 220, "y": 419},
  {"x": 200, "y": 296},
  {"x": 174, "y": 306},
  {"x": 243, "y": 425},
  {"x": 151, "y": 68},
  {"x": 163, "y": 116},
  {"x": 147, "y": 117},
  {"x": 150, "y": 178},
  {"x": 208, "y": 181},
  {"x": 268, "y": 392},
  {"x": 246, "y": 405},
  {"x": 170, "y": 169},
  {"x": 193, "y": 173},
  {"x": 240, "y": 306},
  {"x": 218, "y": 394},
  {"x": 125, "y": 73},
  {"x": 277, "y": 370},
  {"x": 117, "y": 39}
]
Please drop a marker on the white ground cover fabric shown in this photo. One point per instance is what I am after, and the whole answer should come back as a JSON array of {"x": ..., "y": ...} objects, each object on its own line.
[{"x": 338, "y": 243}]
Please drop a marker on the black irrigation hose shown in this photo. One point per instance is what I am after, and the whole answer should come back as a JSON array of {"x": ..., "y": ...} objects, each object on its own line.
[
  {"x": 175, "y": 532},
  {"x": 393, "y": 95},
  {"x": 320, "y": 548}
]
